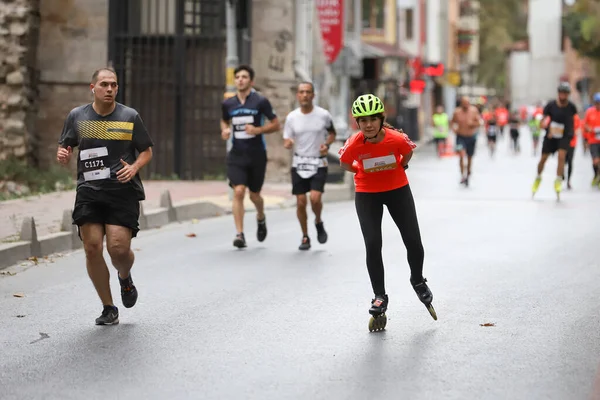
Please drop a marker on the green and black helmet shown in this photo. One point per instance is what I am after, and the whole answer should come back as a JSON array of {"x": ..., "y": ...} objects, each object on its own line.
[{"x": 366, "y": 105}]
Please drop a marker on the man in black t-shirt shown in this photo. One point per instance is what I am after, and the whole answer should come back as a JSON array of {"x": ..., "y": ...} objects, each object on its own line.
[
  {"x": 109, "y": 188},
  {"x": 559, "y": 125},
  {"x": 244, "y": 114}
]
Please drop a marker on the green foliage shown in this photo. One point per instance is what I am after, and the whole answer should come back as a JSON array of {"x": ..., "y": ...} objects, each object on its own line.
[
  {"x": 581, "y": 25},
  {"x": 221, "y": 176},
  {"x": 154, "y": 176},
  {"x": 587, "y": 28},
  {"x": 37, "y": 180},
  {"x": 501, "y": 23}
]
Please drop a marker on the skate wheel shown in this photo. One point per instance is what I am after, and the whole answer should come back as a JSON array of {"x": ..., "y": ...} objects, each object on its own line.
[
  {"x": 432, "y": 312},
  {"x": 377, "y": 323}
]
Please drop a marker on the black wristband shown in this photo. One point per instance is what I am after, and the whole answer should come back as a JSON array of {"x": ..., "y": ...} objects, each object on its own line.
[
  {"x": 328, "y": 145},
  {"x": 406, "y": 166}
]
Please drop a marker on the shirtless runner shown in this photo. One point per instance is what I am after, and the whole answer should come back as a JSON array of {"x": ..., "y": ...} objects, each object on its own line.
[{"x": 465, "y": 123}]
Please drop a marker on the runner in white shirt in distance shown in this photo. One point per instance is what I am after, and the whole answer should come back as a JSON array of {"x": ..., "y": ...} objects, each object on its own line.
[{"x": 309, "y": 131}]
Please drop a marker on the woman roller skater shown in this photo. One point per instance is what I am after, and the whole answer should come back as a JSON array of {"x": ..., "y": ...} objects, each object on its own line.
[{"x": 378, "y": 156}]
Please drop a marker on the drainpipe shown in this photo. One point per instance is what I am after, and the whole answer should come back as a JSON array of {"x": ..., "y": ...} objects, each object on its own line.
[
  {"x": 427, "y": 92},
  {"x": 231, "y": 61}
]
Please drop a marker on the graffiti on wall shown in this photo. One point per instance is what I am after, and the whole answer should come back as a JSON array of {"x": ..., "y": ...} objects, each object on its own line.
[{"x": 277, "y": 59}]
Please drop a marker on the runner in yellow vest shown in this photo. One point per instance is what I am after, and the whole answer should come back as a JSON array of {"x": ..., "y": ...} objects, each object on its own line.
[{"x": 440, "y": 129}]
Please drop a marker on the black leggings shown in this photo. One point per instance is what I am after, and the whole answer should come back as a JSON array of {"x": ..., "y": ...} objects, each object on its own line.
[
  {"x": 569, "y": 162},
  {"x": 401, "y": 206}
]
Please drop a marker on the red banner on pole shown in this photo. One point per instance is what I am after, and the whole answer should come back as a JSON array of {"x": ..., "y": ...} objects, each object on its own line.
[{"x": 331, "y": 20}]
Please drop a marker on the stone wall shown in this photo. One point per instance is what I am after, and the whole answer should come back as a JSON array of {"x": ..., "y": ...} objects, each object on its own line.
[
  {"x": 19, "y": 32},
  {"x": 73, "y": 44},
  {"x": 272, "y": 59}
]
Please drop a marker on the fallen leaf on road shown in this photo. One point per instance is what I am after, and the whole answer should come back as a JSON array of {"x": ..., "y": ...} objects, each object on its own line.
[
  {"x": 42, "y": 337},
  {"x": 18, "y": 295},
  {"x": 191, "y": 235},
  {"x": 33, "y": 260},
  {"x": 488, "y": 324},
  {"x": 194, "y": 221},
  {"x": 20, "y": 316},
  {"x": 7, "y": 273}
]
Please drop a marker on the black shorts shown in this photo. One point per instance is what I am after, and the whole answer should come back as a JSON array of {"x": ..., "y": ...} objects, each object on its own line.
[
  {"x": 107, "y": 207},
  {"x": 550, "y": 146},
  {"x": 491, "y": 138},
  {"x": 439, "y": 140},
  {"x": 466, "y": 143},
  {"x": 316, "y": 182},
  {"x": 595, "y": 150},
  {"x": 247, "y": 169},
  {"x": 514, "y": 133}
]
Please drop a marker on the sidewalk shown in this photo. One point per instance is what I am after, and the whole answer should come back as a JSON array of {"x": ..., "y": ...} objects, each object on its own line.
[{"x": 47, "y": 209}]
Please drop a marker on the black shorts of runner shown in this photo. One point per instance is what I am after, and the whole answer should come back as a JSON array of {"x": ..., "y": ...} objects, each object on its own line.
[
  {"x": 514, "y": 133},
  {"x": 466, "y": 143},
  {"x": 304, "y": 185},
  {"x": 247, "y": 169},
  {"x": 551, "y": 146},
  {"x": 491, "y": 138},
  {"x": 439, "y": 140},
  {"x": 107, "y": 207},
  {"x": 595, "y": 150}
]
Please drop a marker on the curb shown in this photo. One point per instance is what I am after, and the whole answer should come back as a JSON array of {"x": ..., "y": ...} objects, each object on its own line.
[{"x": 30, "y": 246}]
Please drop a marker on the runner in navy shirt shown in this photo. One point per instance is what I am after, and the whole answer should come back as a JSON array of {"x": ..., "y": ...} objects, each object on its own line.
[{"x": 244, "y": 117}]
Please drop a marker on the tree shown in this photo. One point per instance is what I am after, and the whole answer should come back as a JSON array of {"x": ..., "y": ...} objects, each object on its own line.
[
  {"x": 501, "y": 23},
  {"x": 581, "y": 24}
]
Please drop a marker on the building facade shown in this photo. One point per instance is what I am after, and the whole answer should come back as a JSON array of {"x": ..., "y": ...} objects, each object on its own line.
[
  {"x": 536, "y": 70},
  {"x": 169, "y": 56}
]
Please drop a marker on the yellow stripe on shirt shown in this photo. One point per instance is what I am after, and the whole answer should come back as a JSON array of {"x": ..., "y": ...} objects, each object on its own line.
[{"x": 105, "y": 130}]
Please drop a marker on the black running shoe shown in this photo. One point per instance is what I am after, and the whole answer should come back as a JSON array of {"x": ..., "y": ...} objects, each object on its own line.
[
  {"x": 261, "y": 231},
  {"x": 129, "y": 293},
  {"x": 379, "y": 305},
  {"x": 305, "y": 245},
  {"x": 422, "y": 291},
  {"x": 110, "y": 316},
  {"x": 321, "y": 234},
  {"x": 239, "y": 241}
]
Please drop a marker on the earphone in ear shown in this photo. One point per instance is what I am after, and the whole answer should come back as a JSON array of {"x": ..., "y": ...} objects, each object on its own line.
[{"x": 93, "y": 91}]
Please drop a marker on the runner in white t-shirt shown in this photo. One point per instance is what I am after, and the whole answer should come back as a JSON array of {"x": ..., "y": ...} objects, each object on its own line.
[{"x": 309, "y": 130}]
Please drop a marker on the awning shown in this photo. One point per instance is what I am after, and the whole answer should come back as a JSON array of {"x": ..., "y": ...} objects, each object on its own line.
[{"x": 382, "y": 50}]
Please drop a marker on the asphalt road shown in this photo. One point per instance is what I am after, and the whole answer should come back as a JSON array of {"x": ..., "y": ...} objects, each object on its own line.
[{"x": 270, "y": 322}]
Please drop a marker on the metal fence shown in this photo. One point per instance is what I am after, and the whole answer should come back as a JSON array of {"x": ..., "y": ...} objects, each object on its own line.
[{"x": 170, "y": 59}]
